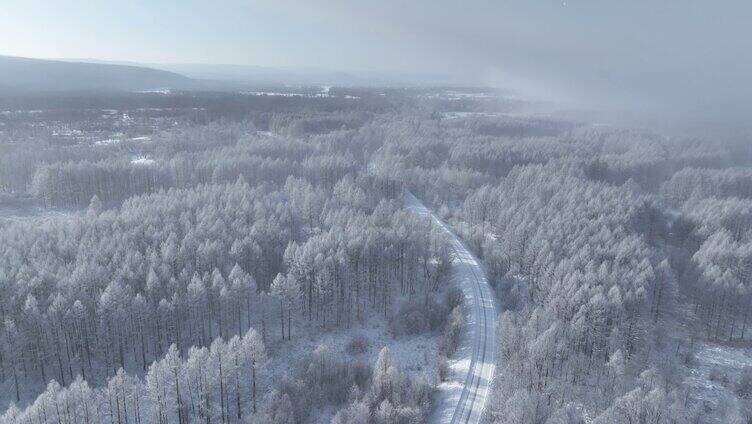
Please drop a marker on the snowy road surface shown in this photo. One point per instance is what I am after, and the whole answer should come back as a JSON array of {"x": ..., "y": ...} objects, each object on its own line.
[{"x": 462, "y": 398}]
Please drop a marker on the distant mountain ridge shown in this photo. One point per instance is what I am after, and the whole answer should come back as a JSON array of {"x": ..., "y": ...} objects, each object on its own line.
[
  {"x": 301, "y": 76},
  {"x": 18, "y": 74},
  {"x": 24, "y": 74},
  {"x": 254, "y": 75}
]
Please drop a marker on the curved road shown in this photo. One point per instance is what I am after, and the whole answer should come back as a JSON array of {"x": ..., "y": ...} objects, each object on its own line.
[{"x": 462, "y": 398}]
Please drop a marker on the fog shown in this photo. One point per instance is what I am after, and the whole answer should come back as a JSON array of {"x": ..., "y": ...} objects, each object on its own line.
[
  {"x": 375, "y": 212},
  {"x": 682, "y": 62}
]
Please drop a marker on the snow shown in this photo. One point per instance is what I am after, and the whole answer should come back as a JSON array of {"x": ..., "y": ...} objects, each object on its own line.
[
  {"x": 462, "y": 397},
  {"x": 415, "y": 354},
  {"x": 464, "y": 95},
  {"x": 67, "y": 133},
  {"x": 28, "y": 210},
  {"x": 107, "y": 142},
  {"x": 268, "y": 134},
  {"x": 465, "y": 114},
  {"x": 272, "y": 93},
  {"x": 143, "y": 161},
  {"x": 21, "y": 112},
  {"x": 37, "y": 214},
  {"x": 458, "y": 95},
  {"x": 323, "y": 93},
  {"x": 725, "y": 361},
  {"x": 163, "y": 91},
  {"x": 457, "y": 115}
]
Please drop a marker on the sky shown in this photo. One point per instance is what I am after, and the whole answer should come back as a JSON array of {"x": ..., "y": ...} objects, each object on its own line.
[{"x": 688, "y": 58}]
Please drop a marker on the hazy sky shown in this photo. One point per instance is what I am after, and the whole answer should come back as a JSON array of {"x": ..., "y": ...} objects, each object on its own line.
[{"x": 688, "y": 57}]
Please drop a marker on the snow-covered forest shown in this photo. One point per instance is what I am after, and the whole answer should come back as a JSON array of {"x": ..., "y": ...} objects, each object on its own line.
[{"x": 248, "y": 258}]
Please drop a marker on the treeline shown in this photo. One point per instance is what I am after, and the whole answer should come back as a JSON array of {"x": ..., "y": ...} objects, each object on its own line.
[
  {"x": 610, "y": 250},
  {"x": 712, "y": 239},
  {"x": 182, "y": 162},
  {"x": 361, "y": 393},
  {"x": 587, "y": 296},
  {"x": 116, "y": 288},
  {"x": 210, "y": 384},
  {"x": 301, "y": 125},
  {"x": 701, "y": 183},
  {"x": 219, "y": 384},
  {"x": 19, "y": 162},
  {"x": 217, "y": 105},
  {"x": 55, "y": 129},
  {"x": 512, "y": 126},
  {"x": 73, "y": 184},
  {"x": 577, "y": 236}
]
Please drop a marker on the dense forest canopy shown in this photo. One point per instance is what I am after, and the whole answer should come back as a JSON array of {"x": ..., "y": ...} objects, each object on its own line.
[{"x": 218, "y": 258}]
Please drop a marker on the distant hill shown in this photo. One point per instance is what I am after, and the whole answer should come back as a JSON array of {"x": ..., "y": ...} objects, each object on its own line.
[
  {"x": 263, "y": 75},
  {"x": 244, "y": 76},
  {"x": 19, "y": 74},
  {"x": 23, "y": 74}
]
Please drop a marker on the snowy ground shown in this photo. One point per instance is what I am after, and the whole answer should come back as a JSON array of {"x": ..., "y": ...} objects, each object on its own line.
[
  {"x": 714, "y": 364},
  {"x": 416, "y": 355},
  {"x": 27, "y": 209},
  {"x": 462, "y": 398},
  {"x": 142, "y": 161}
]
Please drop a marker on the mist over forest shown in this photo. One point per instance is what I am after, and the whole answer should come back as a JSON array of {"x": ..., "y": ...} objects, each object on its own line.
[
  {"x": 375, "y": 213},
  {"x": 248, "y": 257}
]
